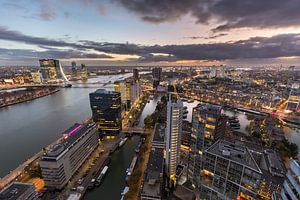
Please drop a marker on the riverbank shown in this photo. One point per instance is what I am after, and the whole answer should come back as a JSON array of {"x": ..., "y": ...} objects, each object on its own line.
[{"x": 9, "y": 99}]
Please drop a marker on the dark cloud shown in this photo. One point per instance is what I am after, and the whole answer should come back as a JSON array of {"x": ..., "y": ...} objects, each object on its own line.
[
  {"x": 6, "y": 34},
  {"x": 209, "y": 37},
  {"x": 229, "y": 13},
  {"x": 26, "y": 54},
  {"x": 257, "y": 47}
]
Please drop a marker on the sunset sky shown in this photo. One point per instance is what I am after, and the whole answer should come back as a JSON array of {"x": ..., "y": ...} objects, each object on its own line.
[{"x": 150, "y": 32}]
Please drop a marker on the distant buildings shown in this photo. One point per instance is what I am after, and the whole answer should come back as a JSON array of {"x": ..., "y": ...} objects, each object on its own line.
[
  {"x": 106, "y": 109},
  {"x": 130, "y": 91},
  {"x": 205, "y": 119},
  {"x": 173, "y": 136},
  {"x": 156, "y": 75},
  {"x": 84, "y": 72},
  {"x": 136, "y": 75},
  {"x": 36, "y": 77},
  {"x": 60, "y": 162},
  {"x": 74, "y": 69},
  {"x": 19, "y": 191},
  {"x": 291, "y": 186},
  {"x": 50, "y": 70}
]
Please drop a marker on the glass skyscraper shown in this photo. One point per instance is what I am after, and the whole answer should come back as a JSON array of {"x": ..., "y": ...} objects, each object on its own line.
[{"x": 106, "y": 109}]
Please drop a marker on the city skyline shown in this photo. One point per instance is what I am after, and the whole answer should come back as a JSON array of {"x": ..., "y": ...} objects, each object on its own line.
[{"x": 162, "y": 33}]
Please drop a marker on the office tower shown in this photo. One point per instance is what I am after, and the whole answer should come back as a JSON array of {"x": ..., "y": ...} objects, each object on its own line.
[
  {"x": 229, "y": 172},
  {"x": 123, "y": 87},
  {"x": 156, "y": 75},
  {"x": 84, "y": 72},
  {"x": 74, "y": 69},
  {"x": 50, "y": 70},
  {"x": 135, "y": 74},
  {"x": 62, "y": 160},
  {"x": 130, "y": 91},
  {"x": 173, "y": 136},
  {"x": 19, "y": 191},
  {"x": 106, "y": 109},
  {"x": 293, "y": 103},
  {"x": 205, "y": 119},
  {"x": 291, "y": 186}
]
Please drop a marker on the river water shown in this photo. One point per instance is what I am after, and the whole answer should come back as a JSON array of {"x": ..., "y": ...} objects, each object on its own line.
[{"x": 26, "y": 128}]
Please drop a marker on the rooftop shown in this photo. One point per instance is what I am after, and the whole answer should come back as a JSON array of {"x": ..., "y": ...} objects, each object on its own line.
[
  {"x": 15, "y": 190},
  {"x": 234, "y": 152},
  {"x": 159, "y": 133},
  {"x": 208, "y": 108},
  {"x": 71, "y": 135},
  {"x": 103, "y": 91},
  {"x": 152, "y": 183}
]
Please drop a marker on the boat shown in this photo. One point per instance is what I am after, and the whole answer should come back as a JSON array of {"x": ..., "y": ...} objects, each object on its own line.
[
  {"x": 126, "y": 189},
  {"x": 122, "y": 142},
  {"x": 92, "y": 184},
  {"x": 66, "y": 85},
  {"x": 101, "y": 176},
  {"x": 132, "y": 165}
]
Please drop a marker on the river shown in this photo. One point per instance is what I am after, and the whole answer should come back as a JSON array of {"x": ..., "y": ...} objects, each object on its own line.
[{"x": 26, "y": 128}]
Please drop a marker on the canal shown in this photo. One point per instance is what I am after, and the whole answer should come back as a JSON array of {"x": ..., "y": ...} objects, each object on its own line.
[{"x": 114, "y": 182}]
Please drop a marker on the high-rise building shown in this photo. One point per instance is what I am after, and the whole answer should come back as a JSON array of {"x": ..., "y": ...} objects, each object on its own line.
[
  {"x": 229, "y": 171},
  {"x": 62, "y": 160},
  {"x": 291, "y": 186},
  {"x": 156, "y": 75},
  {"x": 205, "y": 119},
  {"x": 74, "y": 69},
  {"x": 106, "y": 109},
  {"x": 50, "y": 69},
  {"x": 135, "y": 74},
  {"x": 293, "y": 103},
  {"x": 19, "y": 191},
  {"x": 173, "y": 136},
  {"x": 84, "y": 72},
  {"x": 130, "y": 91}
]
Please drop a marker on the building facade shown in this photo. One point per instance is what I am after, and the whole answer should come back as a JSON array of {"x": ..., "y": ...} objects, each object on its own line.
[
  {"x": 293, "y": 103},
  {"x": 291, "y": 186},
  {"x": 106, "y": 110},
  {"x": 156, "y": 75},
  {"x": 229, "y": 171},
  {"x": 135, "y": 74},
  {"x": 205, "y": 119},
  {"x": 130, "y": 91},
  {"x": 61, "y": 161},
  {"x": 50, "y": 70},
  {"x": 173, "y": 136}
]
